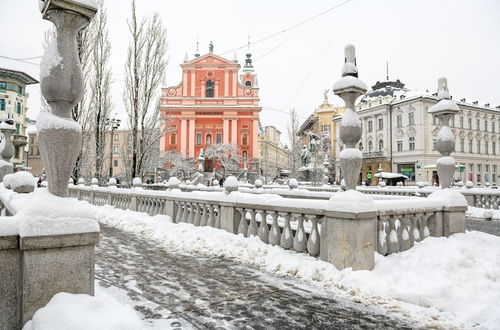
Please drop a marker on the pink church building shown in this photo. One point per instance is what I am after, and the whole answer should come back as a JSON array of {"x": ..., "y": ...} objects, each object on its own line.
[{"x": 214, "y": 103}]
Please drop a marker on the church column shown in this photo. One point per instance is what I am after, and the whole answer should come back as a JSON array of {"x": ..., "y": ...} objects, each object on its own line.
[
  {"x": 226, "y": 83},
  {"x": 202, "y": 87},
  {"x": 234, "y": 132},
  {"x": 216, "y": 89},
  {"x": 235, "y": 83},
  {"x": 184, "y": 83},
  {"x": 183, "y": 135},
  {"x": 191, "y": 137},
  {"x": 255, "y": 138},
  {"x": 193, "y": 84},
  {"x": 225, "y": 132}
]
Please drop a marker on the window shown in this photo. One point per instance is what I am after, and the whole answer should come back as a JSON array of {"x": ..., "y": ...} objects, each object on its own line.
[
  {"x": 370, "y": 146},
  {"x": 198, "y": 139},
  {"x": 129, "y": 137},
  {"x": 478, "y": 147},
  {"x": 325, "y": 128},
  {"x": 380, "y": 124},
  {"x": 412, "y": 143},
  {"x": 209, "y": 139},
  {"x": 494, "y": 148},
  {"x": 471, "y": 167},
  {"x": 493, "y": 126},
  {"x": 115, "y": 150},
  {"x": 399, "y": 121},
  {"x": 477, "y": 125},
  {"x": 494, "y": 169},
  {"x": 486, "y": 147},
  {"x": 360, "y": 146},
  {"x": 3, "y": 85},
  {"x": 173, "y": 139},
  {"x": 244, "y": 139},
  {"x": 115, "y": 162},
  {"x": 18, "y": 128},
  {"x": 486, "y": 126},
  {"x": 478, "y": 167},
  {"x": 434, "y": 144},
  {"x": 461, "y": 122},
  {"x": 462, "y": 145},
  {"x": 452, "y": 122},
  {"x": 487, "y": 168},
  {"x": 19, "y": 109},
  {"x": 478, "y": 178},
  {"x": 380, "y": 145},
  {"x": 129, "y": 150},
  {"x": 469, "y": 122},
  {"x": 470, "y": 146},
  {"x": 248, "y": 83},
  {"x": 209, "y": 89},
  {"x": 2, "y": 104},
  {"x": 218, "y": 138},
  {"x": 400, "y": 145},
  {"x": 370, "y": 126},
  {"x": 411, "y": 118},
  {"x": 115, "y": 137}
]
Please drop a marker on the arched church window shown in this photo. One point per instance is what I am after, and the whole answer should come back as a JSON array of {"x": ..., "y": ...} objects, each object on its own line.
[
  {"x": 209, "y": 88},
  {"x": 248, "y": 83},
  {"x": 370, "y": 146},
  {"x": 173, "y": 138},
  {"x": 244, "y": 139}
]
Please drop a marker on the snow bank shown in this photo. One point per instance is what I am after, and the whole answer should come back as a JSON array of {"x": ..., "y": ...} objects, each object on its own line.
[
  {"x": 47, "y": 214},
  {"x": 47, "y": 120},
  {"x": 22, "y": 178},
  {"x": 419, "y": 283},
  {"x": 9, "y": 226},
  {"x": 477, "y": 213},
  {"x": 82, "y": 312}
]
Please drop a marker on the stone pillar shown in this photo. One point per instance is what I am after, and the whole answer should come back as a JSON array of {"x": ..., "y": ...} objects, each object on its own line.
[
  {"x": 444, "y": 110},
  {"x": 183, "y": 136},
  {"x": 191, "y": 137},
  {"x": 193, "y": 84},
  {"x": 10, "y": 281},
  {"x": 349, "y": 88},
  {"x": 255, "y": 138},
  {"x": 184, "y": 83},
  {"x": 234, "y": 131},
  {"x": 225, "y": 131},
  {"x": 226, "y": 83},
  {"x": 6, "y": 167}
]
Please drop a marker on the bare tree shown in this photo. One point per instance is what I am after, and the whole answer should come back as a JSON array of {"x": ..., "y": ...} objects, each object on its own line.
[
  {"x": 99, "y": 82},
  {"x": 227, "y": 154},
  {"x": 295, "y": 142},
  {"x": 144, "y": 70},
  {"x": 180, "y": 165}
]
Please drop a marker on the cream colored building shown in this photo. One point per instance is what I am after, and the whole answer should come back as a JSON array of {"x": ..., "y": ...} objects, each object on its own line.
[
  {"x": 399, "y": 133},
  {"x": 274, "y": 157},
  {"x": 14, "y": 106}
]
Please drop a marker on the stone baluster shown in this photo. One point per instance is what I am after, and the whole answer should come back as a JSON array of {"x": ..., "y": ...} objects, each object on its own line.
[
  {"x": 382, "y": 226},
  {"x": 349, "y": 88},
  {"x": 6, "y": 129},
  {"x": 413, "y": 229},
  {"x": 204, "y": 217},
  {"x": 287, "y": 234},
  {"x": 300, "y": 240},
  {"x": 185, "y": 212},
  {"x": 263, "y": 228},
  {"x": 178, "y": 214},
  {"x": 405, "y": 242},
  {"x": 275, "y": 233},
  {"x": 191, "y": 214},
  {"x": 392, "y": 238},
  {"x": 252, "y": 227},
  {"x": 313, "y": 243},
  {"x": 444, "y": 110},
  {"x": 211, "y": 216},
  {"x": 217, "y": 215},
  {"x": 243, "y": 225},
  {"x": 197, "y": 218}
]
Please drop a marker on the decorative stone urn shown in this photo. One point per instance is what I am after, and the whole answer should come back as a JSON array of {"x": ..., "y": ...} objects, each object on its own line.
[
  {"x": 6, "y": 167},
  {"x": 349, "y": 88},
  {"x": 444, "y": 110},
  {"x": 61, "y": 81}
]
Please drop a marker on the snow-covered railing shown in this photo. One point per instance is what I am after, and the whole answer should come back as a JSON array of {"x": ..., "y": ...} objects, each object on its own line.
[{"x": 340, "y": 233}]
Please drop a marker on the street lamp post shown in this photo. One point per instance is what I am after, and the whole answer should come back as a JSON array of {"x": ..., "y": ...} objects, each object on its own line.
[{"x": 114, "y": 124}]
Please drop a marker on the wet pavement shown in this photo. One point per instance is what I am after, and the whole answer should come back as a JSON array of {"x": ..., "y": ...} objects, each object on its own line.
[
  {"x": 490, "y": 227},
  {"x": 197, "y": 292}
]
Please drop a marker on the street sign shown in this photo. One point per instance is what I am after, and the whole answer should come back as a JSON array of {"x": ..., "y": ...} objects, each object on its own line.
[{"x": 461, "y": 168}]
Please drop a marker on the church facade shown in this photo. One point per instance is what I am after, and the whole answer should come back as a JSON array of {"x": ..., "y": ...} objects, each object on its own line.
[{"x": 215, "y": 103}]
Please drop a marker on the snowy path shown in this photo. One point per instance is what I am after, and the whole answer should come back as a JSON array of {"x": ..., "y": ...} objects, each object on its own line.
[{"x": 212, "y": 293}]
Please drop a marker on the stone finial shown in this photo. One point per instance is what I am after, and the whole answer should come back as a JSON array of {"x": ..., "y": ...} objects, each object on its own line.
[
  {"x": 80, "y": 182},
  {"x": 443, "y": 92},
  {"x": 136, "y": 182},
  {"x": 293, "y": 184},
  {"x": 173, "y": 183},
  {"x": 112, "y": 183},
  {"x": 258, "y": 183},
  {"x": 231, "y": 184},
  {"x": 94, "y": 182},
  {"x": 349, "y": 68}
]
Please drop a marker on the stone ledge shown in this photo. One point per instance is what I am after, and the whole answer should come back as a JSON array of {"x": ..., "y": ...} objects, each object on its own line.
[
  {"x": 58, "y": 241},
  {"x": 350, "y": 215},
  {"x": 9, "y": 242}
]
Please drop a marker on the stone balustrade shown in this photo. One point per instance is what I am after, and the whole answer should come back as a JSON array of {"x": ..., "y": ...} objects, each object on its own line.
[{"x": 294, "y": 223}]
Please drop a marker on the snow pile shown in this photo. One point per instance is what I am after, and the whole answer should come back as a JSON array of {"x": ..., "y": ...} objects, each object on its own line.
[
  {"x": 293, "y": 184},
  {"x": 449, "y": 197},
  {"x": 6, "y": 180},
  {"x": 446, "y": 134},
  {"x": 82, "y": 312},
  {"x": 444, "y": 105},
  {"x": 50, "y": 60},
  {"x": 419, "y": 283},
  {"x": 231, "y": 182},
  {"x": 346, "y": 82},
  {"x": 48, "y": 121},
  {"x": 9, "y": 226},
  {"x": 21, "y": 178},
  {"x": 477, "y": 213},
  {"x": 136, "y": 181},
  {"x": 351, "y": 153},
  {"x": 47, "y": 214},
  {"x": 351, "y": 201},
  {"x": 173, "y": 182}
]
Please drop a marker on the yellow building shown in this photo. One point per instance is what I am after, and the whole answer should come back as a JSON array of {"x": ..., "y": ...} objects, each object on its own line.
[
  {"x": 274, "y": 158},
  {"x": 14, "y": 105}
]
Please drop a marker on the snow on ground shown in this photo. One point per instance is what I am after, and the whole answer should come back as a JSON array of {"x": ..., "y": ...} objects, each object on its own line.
[
  {"x": 477, "y": 213},
  {"x": 446, "y": 282}
]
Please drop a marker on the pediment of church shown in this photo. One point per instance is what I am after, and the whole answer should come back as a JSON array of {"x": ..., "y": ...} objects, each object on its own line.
[{"x": 209, "y": 59}]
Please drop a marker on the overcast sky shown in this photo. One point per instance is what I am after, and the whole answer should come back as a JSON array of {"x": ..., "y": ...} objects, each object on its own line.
[{"x": 421, "y": 39}]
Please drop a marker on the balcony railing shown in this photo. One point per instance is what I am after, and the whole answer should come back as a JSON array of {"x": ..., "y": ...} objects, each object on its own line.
[{"x": 373, "y": 154}]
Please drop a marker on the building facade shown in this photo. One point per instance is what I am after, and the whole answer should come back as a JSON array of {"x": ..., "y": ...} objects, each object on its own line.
[
  {"x": 214, "y": 103},
  {"x": 399, "y": 135},
  {"x": 14, "y": 106},
  {"x": 274, "y": 158}
]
